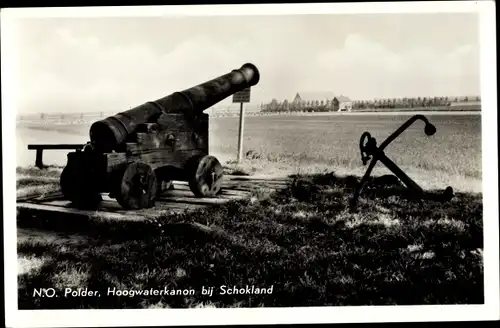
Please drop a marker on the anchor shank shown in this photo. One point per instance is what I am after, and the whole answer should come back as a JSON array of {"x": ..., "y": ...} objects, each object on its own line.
[
  {"x": 363, "y": 181},
  {"x": 401, "y": 129},
  {"x": 399, "y": 173}
]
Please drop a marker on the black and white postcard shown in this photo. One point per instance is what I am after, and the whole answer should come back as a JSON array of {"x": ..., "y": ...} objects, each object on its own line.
[{"x": 250, "y": 164}]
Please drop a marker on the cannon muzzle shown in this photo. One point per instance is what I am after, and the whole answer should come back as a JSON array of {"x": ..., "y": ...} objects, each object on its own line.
[{"x": 106, "y": 134}]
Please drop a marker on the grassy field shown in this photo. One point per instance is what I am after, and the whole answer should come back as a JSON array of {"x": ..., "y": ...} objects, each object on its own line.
[
  {"x": 33, "y": 181},
  {"x": 303, "y": 240},
  {"x": 313, "y": 145}
]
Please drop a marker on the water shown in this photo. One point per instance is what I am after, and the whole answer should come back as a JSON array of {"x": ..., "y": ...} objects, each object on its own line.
[{"x": 32, "y": 134}]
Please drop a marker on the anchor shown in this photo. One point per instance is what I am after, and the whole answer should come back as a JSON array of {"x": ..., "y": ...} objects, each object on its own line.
[{"x": 370, "y": 151}]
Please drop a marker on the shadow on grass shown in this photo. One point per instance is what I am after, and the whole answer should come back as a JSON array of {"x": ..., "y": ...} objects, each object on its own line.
[{"x": 302, "y": 241}]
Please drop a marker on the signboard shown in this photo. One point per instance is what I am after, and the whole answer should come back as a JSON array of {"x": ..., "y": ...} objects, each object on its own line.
[{"x": 242, "y": 96}]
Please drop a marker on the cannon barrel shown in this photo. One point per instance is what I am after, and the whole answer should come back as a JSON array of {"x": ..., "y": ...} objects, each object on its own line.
[{"x": 110, "y": 132}]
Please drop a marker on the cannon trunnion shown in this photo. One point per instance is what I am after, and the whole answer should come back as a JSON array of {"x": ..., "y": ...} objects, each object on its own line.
[{"x": 135, "y": 155}]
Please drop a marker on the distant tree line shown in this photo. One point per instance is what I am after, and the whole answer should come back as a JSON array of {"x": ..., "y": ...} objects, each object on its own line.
[
  {"x": 389, "y": 103},
  {"x": 308, "y": 106},
  {"x": 419, "y": 102}
]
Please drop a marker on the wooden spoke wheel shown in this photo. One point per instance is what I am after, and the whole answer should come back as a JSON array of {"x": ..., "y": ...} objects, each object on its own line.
[
  {"x": 78, "y": 185},
  {"x": 136, "y": 187},
  {"x": 205, "y": 176}
]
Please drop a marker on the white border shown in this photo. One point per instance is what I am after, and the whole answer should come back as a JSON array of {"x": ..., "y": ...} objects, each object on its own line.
[
  {"x": 73, "y": 318},
  {"x": 249, "y": 10}
]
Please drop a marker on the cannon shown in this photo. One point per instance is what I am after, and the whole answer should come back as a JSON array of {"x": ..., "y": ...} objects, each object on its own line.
[{"x": 136, "y": 154}]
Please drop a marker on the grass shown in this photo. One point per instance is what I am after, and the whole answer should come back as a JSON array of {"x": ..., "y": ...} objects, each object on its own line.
[
  {"x": 32, "y": 181},
  {"x": 302, "y": 240}
]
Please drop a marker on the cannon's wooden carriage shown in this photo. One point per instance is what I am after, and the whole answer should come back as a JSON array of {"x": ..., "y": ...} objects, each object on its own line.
[{"x": 135, "y": 155}]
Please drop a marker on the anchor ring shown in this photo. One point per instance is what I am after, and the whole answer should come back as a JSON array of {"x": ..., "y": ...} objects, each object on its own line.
[{"x": 366, "y": 145}]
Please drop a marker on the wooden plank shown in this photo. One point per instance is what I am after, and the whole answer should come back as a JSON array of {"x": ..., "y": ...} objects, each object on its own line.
[
  {"x": 57, "y": 202},
  {"x": 183, "y": 194},
  {"x": 111, "y": 206},
  {"x": 233, "y": 192},
  {"x": 176, "y": 208},
  {"x": 177, "y": 193},
  {"x": 131, "y": 215},
  {"x": 155, "y": 158},
  {"x": 42, "y": 197},
  {"x": 255, "y": 186},
  {"x": 55, "y": 146},
  {"x": 179, "y": 200},
  {"x": 167, "y": 140},
  {"x": 258, "y": 177},
  {"x": 256, "y": 181},
  {"x": 171, "y": 194},
  {"x": 205, "y": 201},
  {"x": 69, "y": 210},
  {"x": 181, "y": 189}
]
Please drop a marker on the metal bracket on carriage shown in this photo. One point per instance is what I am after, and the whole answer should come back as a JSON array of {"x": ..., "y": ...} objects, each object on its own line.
[{"x": 370, "y": 151}]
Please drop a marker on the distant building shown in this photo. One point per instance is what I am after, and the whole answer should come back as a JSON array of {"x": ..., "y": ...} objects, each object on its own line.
[
  {"x": 342, "y": 103},
  {"x": 337, "y": 103},
  {"x": 302, "y": 98}
]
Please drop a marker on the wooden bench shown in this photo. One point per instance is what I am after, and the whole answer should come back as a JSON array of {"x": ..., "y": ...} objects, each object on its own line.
[{"x": 41, "y": 147}]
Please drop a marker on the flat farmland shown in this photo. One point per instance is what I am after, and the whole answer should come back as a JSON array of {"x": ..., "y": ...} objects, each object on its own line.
[{"x": 315, "y": 144}]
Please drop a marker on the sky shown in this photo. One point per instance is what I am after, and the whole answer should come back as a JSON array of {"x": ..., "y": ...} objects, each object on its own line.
[{"x": 103, "y": 64}]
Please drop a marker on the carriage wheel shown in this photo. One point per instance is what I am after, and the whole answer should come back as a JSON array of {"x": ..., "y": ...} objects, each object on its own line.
[
  {"x": 78, "y": 185},
  {"x": 205, "y": 176},
  {"x": 136, "y": 187}
]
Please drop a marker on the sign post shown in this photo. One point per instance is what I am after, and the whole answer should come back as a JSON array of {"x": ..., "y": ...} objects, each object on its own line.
[{"x": 241, "y": 97}]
